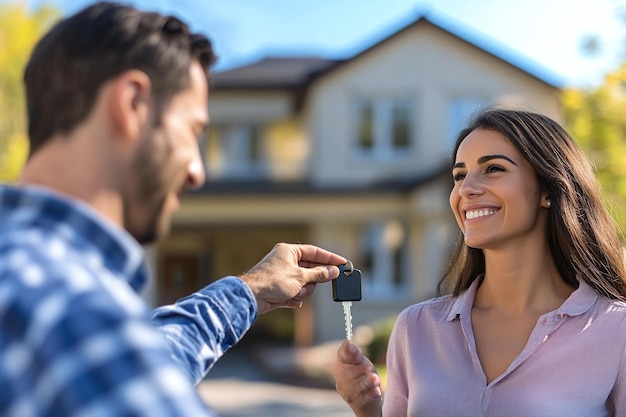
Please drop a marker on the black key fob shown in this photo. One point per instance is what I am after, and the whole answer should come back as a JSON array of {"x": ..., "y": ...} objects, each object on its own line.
[{"x": 347, "y": 287}]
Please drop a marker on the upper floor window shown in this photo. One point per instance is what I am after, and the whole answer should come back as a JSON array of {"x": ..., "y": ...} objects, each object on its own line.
[
  {"x": 236, "y": 150},
  {"x": 384, "y": 127}
]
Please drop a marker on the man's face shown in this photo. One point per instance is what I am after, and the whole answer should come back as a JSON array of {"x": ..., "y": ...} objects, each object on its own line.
[{"x": 167, "y": 161}]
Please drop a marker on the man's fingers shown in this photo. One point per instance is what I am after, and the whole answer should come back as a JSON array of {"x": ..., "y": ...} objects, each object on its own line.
[
  {"x": 320, "y": 274},
  {"x": 306, "y": 291},
  {"x": 293, "y": 303},
  {"x": 310, "y": 255}
]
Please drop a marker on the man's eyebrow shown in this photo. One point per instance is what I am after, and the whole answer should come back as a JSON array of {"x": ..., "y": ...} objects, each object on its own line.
[{"x": 484, "y": 159}]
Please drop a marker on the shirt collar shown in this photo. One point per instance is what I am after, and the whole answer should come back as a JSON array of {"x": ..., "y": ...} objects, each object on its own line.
[
  {"x": 464, "y": 302},
  {"x": 79, "y": 224},
  {"x": 579, "y": 301}
]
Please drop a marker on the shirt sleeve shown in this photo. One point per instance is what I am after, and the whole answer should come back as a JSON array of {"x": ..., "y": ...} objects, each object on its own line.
[
  {"x": 616, "y": 399},
  {"x": 396, "y": 393},
  {"x": 201, "y": 327},
  {"x": 88, "y": 356}
]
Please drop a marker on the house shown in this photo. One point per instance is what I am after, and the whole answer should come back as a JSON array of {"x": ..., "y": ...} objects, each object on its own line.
[{"x": 351, "y": 155}]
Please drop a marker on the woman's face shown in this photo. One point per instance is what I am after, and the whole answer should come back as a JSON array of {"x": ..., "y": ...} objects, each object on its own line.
[{"x": 496, "y": 197}]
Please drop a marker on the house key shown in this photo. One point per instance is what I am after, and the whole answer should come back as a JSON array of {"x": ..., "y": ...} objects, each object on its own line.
[{"x": 347, "y": 288}]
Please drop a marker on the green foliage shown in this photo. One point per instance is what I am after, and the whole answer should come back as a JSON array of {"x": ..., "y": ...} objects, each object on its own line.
[
  {"x": 376, "y": 346},
  {"x": 596, "y": 118},
  {"x": 19, "y": 30}
]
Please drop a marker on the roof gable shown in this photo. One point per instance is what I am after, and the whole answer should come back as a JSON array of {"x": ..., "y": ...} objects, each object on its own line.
[
  {"x": 494, "y": 48},
  {"x": 295, "y": 73}
]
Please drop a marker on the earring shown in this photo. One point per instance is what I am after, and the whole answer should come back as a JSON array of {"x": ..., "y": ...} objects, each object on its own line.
[{"x": 548, "y": 203}]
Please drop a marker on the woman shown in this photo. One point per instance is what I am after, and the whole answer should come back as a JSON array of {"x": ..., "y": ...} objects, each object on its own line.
[{"x": 535, "y": 324}]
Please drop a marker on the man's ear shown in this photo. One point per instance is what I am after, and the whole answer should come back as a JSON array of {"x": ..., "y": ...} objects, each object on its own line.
[{"x": 130, "y": 103}]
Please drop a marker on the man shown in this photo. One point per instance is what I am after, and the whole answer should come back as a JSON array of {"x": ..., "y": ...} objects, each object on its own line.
[{"x": 117, "y": 99}]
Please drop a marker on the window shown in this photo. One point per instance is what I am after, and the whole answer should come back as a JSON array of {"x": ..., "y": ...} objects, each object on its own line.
[
  {"x": 384, "y": 127},
  {"x": 460, "y": 111},
  {"x": 384, "y": 258},
  {"x": 236, "y": 150}
]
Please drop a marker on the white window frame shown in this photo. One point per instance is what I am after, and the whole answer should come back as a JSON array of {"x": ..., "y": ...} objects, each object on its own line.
[
  {"x": 235, "y": 143},
  {"x": 381, "y": 242},
  {"x": 383, "y": 147}
]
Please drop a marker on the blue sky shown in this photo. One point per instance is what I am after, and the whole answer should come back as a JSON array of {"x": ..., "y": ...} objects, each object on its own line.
[{"x": 548, "y": 32}]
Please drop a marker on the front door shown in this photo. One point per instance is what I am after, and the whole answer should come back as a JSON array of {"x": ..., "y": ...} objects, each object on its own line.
[{"x": 180, "y": 277}]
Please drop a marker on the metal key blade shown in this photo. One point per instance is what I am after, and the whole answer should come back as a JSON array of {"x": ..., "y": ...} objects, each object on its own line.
[{"x": 347, "y": 313}]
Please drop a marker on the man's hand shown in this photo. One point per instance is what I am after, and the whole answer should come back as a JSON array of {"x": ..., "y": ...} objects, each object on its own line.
[
  {"x": 357, "y": 382},
  {"x": 289, "y": 273}
]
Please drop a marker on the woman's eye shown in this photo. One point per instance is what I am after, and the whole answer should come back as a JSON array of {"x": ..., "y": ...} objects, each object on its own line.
[
  {"x": 494, "y": 168},
  {"x": 458, "y": 176}
]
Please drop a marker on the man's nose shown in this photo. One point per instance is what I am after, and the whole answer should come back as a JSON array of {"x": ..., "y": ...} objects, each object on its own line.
[{"x": 196, "y": 174}]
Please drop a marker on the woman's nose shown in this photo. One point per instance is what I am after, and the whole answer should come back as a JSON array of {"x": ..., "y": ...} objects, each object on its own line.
[{"x": 471, "y": 186}]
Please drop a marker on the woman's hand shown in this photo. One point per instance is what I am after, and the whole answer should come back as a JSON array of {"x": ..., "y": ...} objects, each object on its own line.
[{"x": 357, "y": 381}]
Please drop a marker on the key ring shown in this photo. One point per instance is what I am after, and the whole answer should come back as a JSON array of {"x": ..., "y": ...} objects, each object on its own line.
[{"x": 348, "y": 273}]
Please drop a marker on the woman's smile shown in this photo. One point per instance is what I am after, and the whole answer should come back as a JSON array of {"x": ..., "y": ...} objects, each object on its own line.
[{"x": 476, "y": 214}]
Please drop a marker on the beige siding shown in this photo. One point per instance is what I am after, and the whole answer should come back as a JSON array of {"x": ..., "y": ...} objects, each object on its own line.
[{"x": 429, "y": 67}]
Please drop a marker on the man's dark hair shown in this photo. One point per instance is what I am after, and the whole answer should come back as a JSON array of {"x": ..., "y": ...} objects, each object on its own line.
[{"x": 81, "y": 53}]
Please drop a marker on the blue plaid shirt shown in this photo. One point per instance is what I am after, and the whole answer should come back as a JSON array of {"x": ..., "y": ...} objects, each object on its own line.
[{"x": 75, "y": 337}]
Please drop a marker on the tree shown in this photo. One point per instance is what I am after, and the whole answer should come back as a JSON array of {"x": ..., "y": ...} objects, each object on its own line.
[
  {"x": 19, "y": 30},
  {"x": 597, "y": 120}
]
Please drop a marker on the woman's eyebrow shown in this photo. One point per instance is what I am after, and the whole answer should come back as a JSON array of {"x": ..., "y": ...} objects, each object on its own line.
[{"x": 486, "y": 158}]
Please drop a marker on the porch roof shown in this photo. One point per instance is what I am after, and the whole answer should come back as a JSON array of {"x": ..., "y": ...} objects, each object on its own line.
[{"x": 307, "y": 187}]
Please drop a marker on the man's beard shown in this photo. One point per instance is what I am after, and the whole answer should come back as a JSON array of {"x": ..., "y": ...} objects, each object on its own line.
[
  {"x": 151, "y": 226},
  {"x": 144, "y": 202}
]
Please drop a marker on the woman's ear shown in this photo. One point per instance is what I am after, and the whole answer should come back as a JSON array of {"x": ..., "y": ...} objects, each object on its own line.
[
  {"x": 129, "y": 103},
  {"x": 546, "y": 202}
]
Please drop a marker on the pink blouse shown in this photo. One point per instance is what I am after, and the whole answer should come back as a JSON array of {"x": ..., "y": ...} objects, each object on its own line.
[{"x": 574, "y": 364}]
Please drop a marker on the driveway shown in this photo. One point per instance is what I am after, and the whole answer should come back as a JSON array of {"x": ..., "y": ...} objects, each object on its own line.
[{"x": 238, "y": 387}]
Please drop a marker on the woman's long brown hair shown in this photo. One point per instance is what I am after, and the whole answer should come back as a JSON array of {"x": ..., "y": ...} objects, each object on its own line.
[{"x": 582, "y": 236}]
